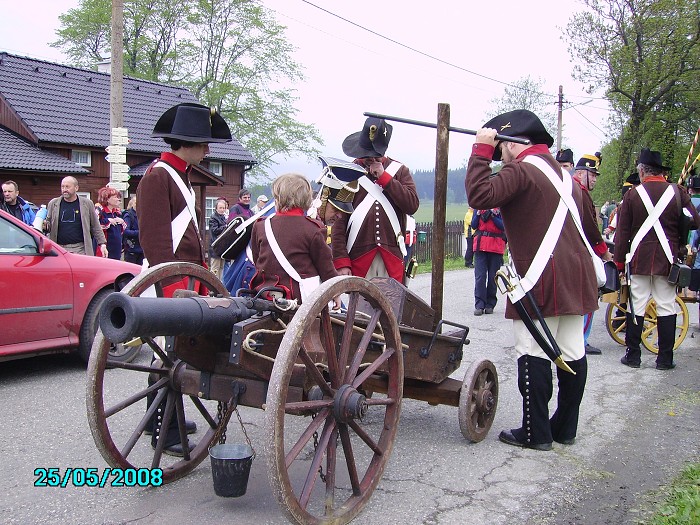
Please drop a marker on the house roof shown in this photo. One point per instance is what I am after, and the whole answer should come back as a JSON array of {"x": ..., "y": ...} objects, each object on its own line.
[
  {"x": 19, "y": 154},
  {"x": 67, "y": 105}
]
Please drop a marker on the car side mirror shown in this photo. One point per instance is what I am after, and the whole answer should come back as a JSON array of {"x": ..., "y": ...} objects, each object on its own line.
[{"x": 44, "y": 249}]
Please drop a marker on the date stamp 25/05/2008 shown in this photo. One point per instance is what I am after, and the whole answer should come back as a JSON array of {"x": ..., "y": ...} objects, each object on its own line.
[{"x": 95, "y": 477}]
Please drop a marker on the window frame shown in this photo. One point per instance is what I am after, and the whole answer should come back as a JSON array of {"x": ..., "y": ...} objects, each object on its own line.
[{"x": 88, "y": 153}]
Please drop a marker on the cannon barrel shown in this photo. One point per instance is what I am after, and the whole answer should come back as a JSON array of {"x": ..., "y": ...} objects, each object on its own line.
[{"x": 123, "y": 317}]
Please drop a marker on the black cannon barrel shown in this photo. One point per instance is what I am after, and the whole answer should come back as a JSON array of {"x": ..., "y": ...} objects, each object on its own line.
[{"x": 123, "y": 317}]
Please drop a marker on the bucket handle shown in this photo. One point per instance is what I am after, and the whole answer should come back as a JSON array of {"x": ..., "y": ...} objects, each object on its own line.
[{"x": 239, "y": 389}]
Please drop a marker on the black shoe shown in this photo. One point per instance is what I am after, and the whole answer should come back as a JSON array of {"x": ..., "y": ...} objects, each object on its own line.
[
  {"x": 176, "y": 450},
  {"x": 469, "y": 265},
  {"x": 592, "y": 350},
  {"x": 665, "y": 366},
  {"x": 507, "y": 437},
  {"x": 566, "y": 441},
  {"x": 488, "y": 310},
  {"x": 479, "y": 311},
  {"x": 631, "y": 364},
  {"x": 190, "y": 428}
]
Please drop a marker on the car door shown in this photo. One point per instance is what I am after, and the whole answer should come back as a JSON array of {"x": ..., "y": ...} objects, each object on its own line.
[{"x": 36, "y": 293}]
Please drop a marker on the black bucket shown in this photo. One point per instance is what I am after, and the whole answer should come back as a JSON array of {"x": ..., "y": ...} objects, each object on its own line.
[{"x": 230, "y": 468}]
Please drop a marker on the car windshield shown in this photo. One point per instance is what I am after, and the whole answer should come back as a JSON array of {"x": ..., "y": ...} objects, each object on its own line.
[{"x": 15, "y": 240}]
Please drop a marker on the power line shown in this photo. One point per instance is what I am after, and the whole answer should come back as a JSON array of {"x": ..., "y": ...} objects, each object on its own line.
[{"x": 427, "y": 55}]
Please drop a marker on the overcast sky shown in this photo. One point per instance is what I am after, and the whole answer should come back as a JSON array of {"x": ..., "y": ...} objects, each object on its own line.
[{"x": 350, "y": 70}]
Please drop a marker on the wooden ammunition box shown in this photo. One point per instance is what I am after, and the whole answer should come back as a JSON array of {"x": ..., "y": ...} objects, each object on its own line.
[{"x": 410, "y": 310}]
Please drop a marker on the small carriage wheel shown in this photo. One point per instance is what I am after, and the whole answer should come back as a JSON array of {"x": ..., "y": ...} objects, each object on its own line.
[
  {"x": 353, "y": 434},
  {"x": 650, "y": 333},
  {"x": 478, "y": 399},
  {"x": 616, "y": 321},
  {"x": 120, "y": 446}
]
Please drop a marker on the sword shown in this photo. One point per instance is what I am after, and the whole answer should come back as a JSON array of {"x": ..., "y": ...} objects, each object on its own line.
[{"x": 549, "y": 344}]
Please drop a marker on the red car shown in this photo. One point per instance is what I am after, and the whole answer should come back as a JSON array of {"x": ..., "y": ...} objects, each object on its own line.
[{"x": 49, "y": 298}]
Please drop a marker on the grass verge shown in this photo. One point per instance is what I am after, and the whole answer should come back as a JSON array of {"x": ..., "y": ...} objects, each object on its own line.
[{"x": 682, "y": 503}]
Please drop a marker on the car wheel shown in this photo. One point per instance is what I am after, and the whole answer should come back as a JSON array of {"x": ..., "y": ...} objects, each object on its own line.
[{"x": 117, "y": 352}]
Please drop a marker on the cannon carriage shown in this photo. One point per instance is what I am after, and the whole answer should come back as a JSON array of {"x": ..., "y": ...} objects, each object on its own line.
[{"x": 330, "y": 384}]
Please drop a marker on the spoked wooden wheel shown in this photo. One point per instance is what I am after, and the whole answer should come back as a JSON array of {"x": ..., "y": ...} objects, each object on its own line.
[
  {"x": 117, "y": 391},
  {"x": 478, "y": 400},
  {"x": 650, "y": 333},
  {"x": 327, "y": 452},
  {"x": 616, "y": 321}
]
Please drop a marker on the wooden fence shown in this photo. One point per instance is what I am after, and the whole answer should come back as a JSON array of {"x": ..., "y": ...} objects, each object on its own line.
[{"x": 454, "y": 241}]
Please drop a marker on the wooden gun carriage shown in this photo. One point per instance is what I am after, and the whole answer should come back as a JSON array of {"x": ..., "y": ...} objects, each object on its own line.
[{"x": 330, "y": 384}]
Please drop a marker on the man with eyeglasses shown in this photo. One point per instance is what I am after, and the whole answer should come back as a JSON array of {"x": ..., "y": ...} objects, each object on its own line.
[{"x": 71, "y": 221}]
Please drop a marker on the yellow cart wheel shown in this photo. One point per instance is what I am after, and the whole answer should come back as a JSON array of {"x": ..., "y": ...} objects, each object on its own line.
[
  {"x": 650, "y": 335},
  {"x": 616, "y": 321}
]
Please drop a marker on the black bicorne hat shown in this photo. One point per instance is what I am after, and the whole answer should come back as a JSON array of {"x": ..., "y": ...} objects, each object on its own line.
[
  {"x": 651, "y": 158},
  {"x": 565, "y": 155},
  {"x": 372, "y": 141},
  {"x": 190, "y": 122},
  {"x": 520, "y": 123},
  {"x": 632, "y": 179}
]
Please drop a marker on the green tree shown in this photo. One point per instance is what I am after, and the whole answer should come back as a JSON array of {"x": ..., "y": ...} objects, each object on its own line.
[
  {"x": 526, "y": 93},
  {"x": 646, "y": 53},
  {"x": 231, "y": 54}
]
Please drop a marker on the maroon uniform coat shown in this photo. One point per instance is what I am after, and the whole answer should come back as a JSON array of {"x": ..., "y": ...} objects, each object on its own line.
[
  {"x": 159, "y": 202},
  {"x": 376, "y": 231},
  {"x": 302, "y": 241},
  {"x": 590, "y": 223},
  {"x": 528, "y": 200},
  {"x": 649, "y": 258}
]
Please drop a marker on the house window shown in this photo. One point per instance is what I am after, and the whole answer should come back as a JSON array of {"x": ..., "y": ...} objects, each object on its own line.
[
  {"x": 81, "y": 157},
  {"x": 215, "y": 168},
  {"x": 210, "y": 207}
]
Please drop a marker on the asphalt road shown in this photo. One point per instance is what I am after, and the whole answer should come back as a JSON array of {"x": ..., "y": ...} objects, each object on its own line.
[{"x": 637, "y": 429}]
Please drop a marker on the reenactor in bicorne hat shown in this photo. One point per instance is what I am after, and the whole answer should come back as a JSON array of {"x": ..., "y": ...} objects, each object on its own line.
[
  {"x": 586, "y": 175},
  {"x": 168, "y": 223},
  {"x": 370, "y": 242},
  {"x": 554, "y": 266},
  {"x": 565, "y": 158},
  {"x": 646, "y": 249}
]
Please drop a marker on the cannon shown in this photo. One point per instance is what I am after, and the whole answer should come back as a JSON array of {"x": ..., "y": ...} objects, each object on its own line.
[{"x": 330, "y": 384}]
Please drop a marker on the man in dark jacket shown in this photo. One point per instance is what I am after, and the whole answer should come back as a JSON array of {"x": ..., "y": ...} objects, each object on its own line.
[
  {"x": 559, "y": 273},
  {"x": 217, "y": 225},
  {"x": 15, "y": 205}
]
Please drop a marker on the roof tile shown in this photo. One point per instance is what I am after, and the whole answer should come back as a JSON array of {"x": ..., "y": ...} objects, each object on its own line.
[{"x": 67, "y": 105}]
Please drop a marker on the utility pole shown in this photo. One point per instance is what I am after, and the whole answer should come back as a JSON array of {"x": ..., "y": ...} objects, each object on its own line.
[
  {"x": 116, "y": 117},
  {"x": 560, "y": 104},
  {"x": 118, "y": 174}
]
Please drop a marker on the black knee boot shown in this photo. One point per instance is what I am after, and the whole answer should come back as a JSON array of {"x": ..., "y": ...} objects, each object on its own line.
[
  {"x": 535, "y": 385},
  {"x": 633, "y": 338},
  {"x": 564, "y": 422},
  {"x": 666, "y": 327}
]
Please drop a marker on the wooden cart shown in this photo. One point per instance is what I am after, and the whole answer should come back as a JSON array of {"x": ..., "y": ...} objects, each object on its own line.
[{"x": 330, "y": 385}]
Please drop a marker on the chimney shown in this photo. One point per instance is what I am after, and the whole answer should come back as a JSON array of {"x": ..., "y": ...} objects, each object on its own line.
[{"x": 105, "y": 66}]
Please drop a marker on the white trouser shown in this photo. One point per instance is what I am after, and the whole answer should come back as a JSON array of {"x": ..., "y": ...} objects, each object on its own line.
[
  {"x": 377, "y": 268},
  {"x": 567, "y": 331},
  {"x": 644, "y": 286}
]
